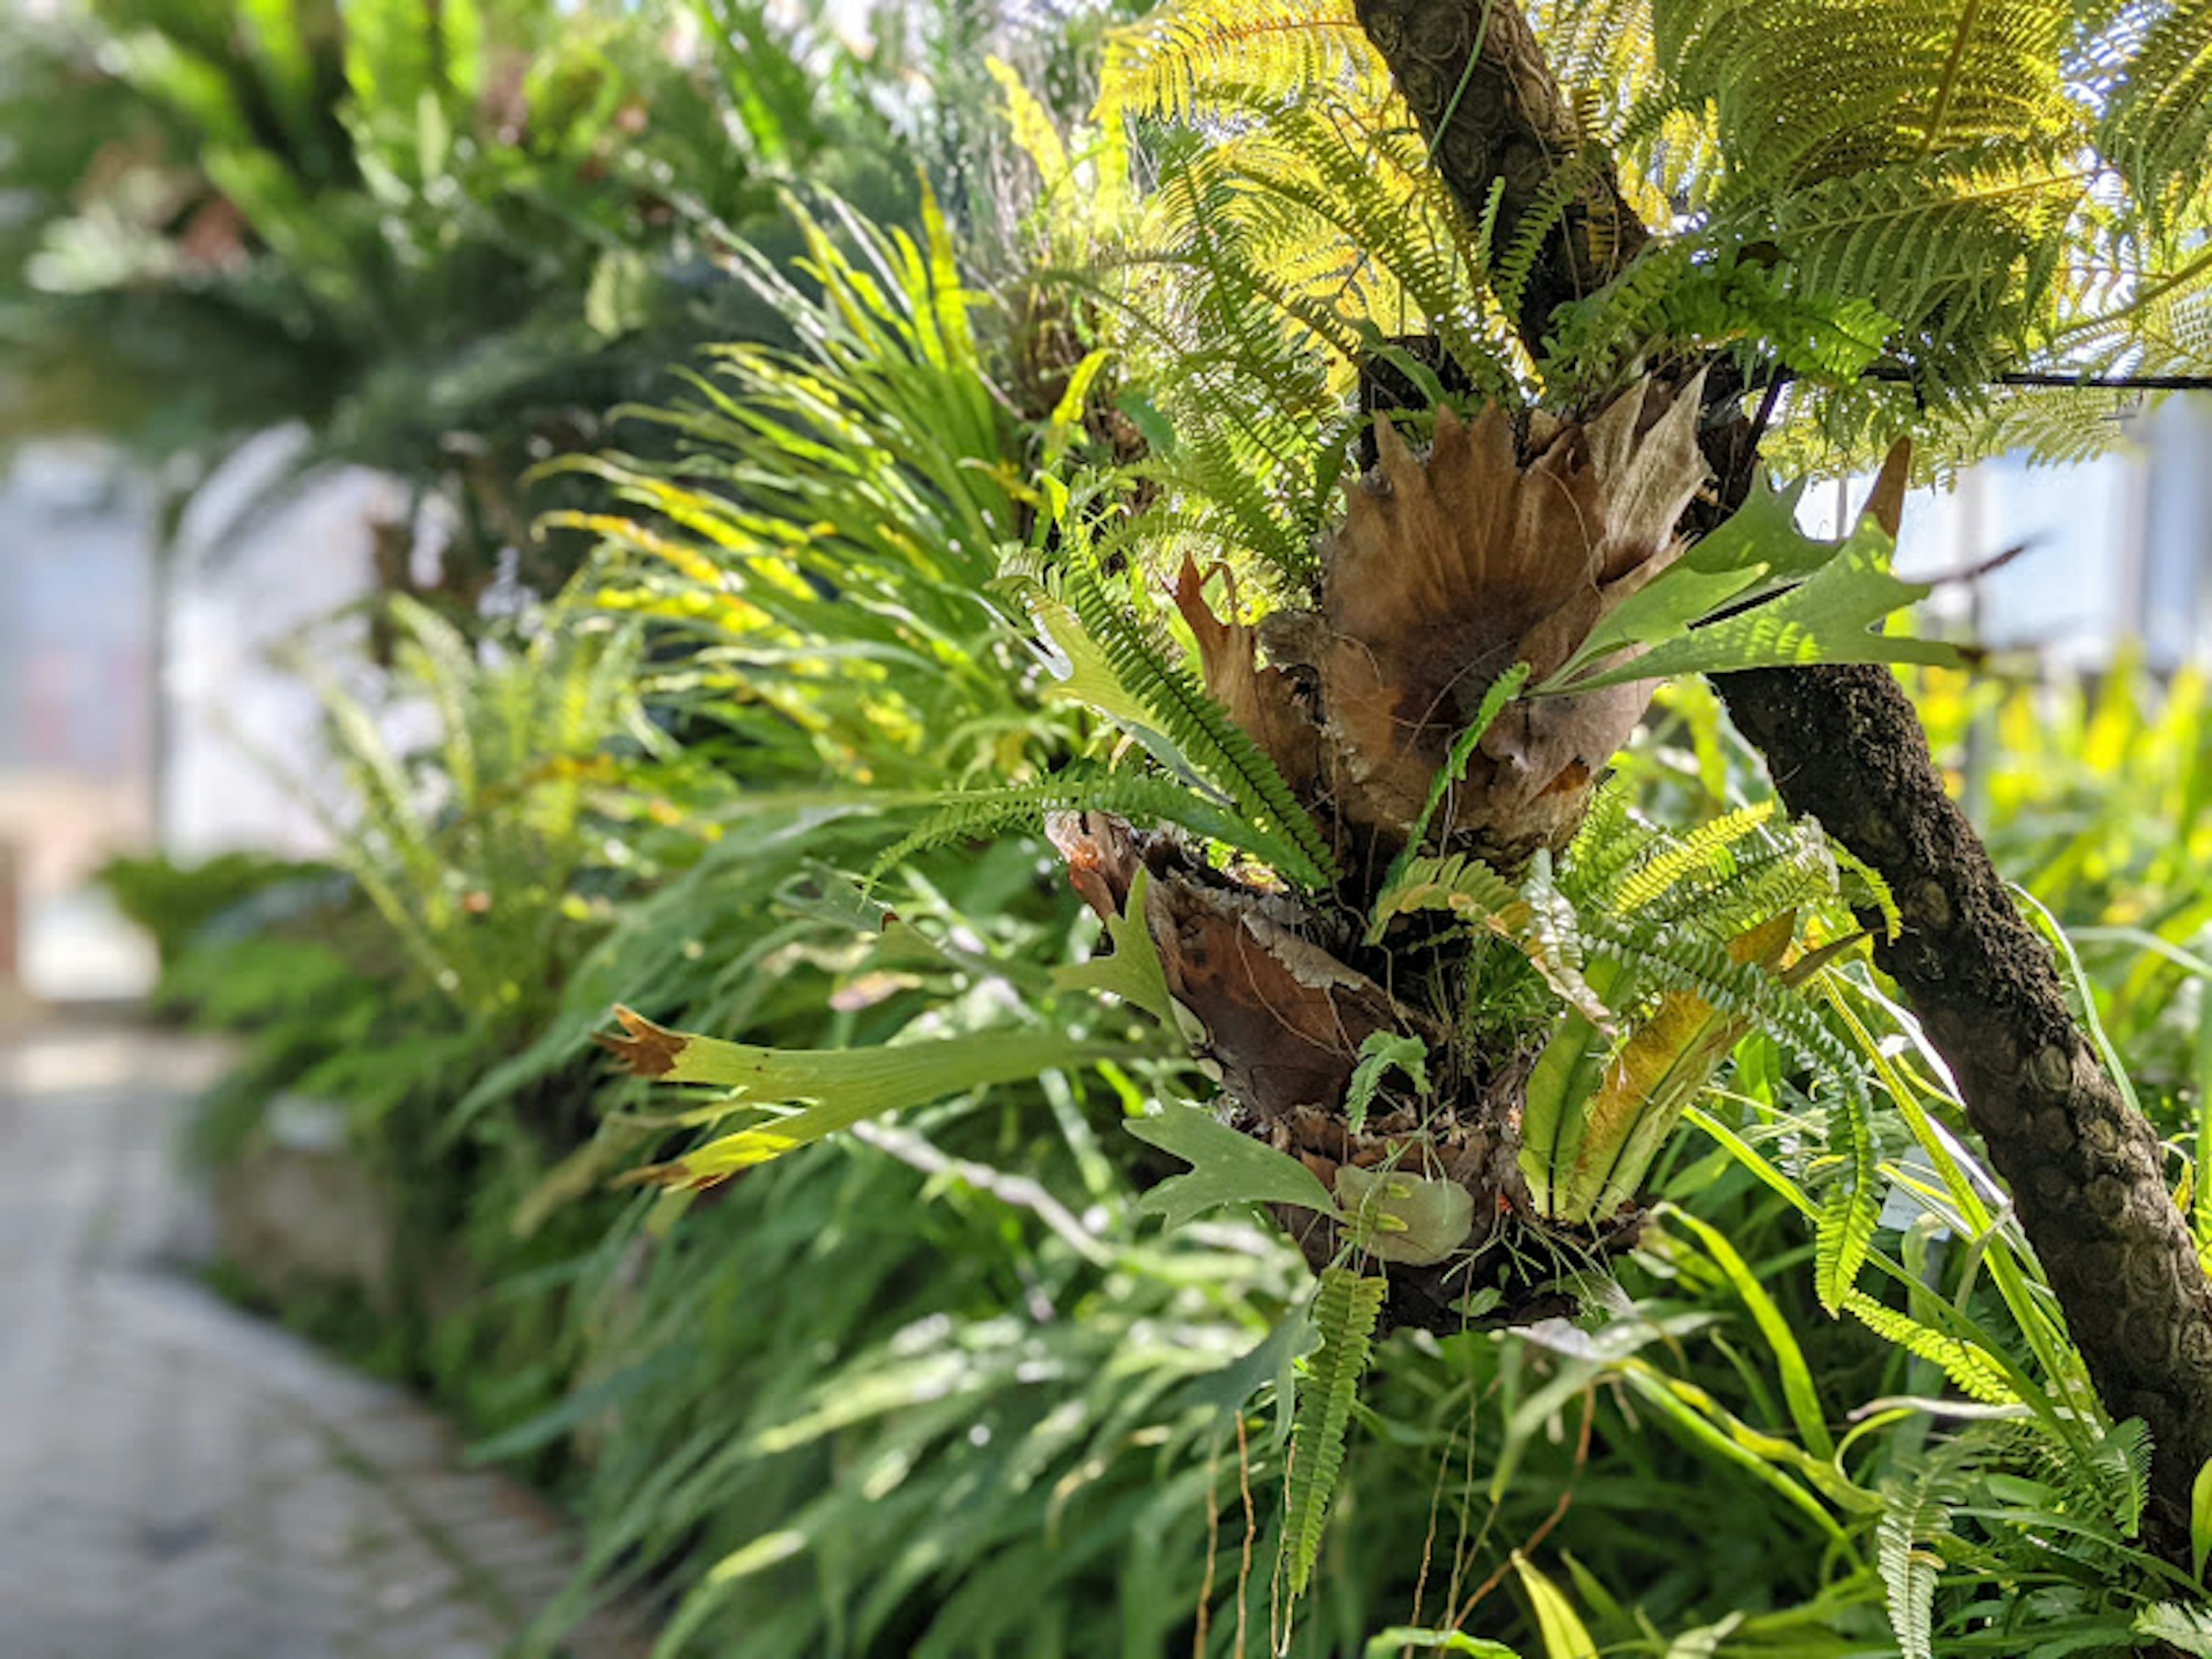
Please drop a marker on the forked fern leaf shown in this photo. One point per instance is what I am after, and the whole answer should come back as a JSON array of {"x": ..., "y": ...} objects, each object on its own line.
[
  {"x": 835, "y": 1088},
  {"x": 1834, "y": 616},
  {"x": 1346, "y": 1306}
]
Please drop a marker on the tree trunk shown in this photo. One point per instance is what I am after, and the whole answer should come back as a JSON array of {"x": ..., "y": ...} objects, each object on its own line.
[{"x": 1844, "y": 745}]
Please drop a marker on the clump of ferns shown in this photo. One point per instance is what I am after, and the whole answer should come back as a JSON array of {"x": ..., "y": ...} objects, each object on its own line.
[
  {"x": 2022, "y": 1508},
  {"x": 1658, "y": 952},
  {"x": 1629, "y": 968},
  {"x": 1171, "y": 754},
  {"x": 1276, "y": 265}
]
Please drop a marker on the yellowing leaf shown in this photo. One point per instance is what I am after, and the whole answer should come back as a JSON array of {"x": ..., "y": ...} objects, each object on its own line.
[{"x": 1564, "y": 1633}]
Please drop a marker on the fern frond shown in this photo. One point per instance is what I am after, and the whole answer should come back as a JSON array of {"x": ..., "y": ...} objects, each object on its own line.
[
  {"x": 1610, "y": 839},
  {"x": 1461, "y": 882},
  {"x": 1915, "y": 1519},
  {"x": 1968, "y": 1369},
  {"x": 1857, "y": 873},
  {"x": 1148, "y": 670},
  {"x": 2105, "y": 1481},
  {"x": 1346, "y": 1306},
  {"x": 1706, "y": 850},
  {"x": 1169, "y": 64},
  {"x": 1829, "y": 87},
  {"x": 1851, "y": 1209},
  {"x": 2157, "y": 98},
  {"x": 2179, "y": 1625},
  {"x": 1793, "y": 869},
  {"x": 1502, "y": 691},
  {"x": 969, "y": 815}
]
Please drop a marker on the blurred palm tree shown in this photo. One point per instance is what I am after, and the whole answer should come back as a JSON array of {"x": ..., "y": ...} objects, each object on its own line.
[{"x": 441, "y": 238}]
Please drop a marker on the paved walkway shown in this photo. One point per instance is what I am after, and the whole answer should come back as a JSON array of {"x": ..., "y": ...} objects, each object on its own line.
[{"x": 180, "y": 1481}]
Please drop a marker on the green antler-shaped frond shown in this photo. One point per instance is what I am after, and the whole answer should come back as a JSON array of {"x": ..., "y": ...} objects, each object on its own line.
[{"x": 831, "y": 1090}]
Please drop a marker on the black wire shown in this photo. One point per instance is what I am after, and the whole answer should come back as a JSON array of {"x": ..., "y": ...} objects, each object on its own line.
[{"x": 2069, "y": 382}]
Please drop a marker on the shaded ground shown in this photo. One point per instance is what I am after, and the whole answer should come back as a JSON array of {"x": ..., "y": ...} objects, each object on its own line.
[{"x": 179, "y": 1479}]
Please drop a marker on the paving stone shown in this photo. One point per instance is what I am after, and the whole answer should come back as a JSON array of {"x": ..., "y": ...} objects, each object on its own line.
[{"x": 180, "y": 1481}]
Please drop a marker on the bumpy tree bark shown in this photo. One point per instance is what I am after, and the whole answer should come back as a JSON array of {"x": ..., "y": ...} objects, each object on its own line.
[
  {"x": 1476, "y": 77},
  {"x": 1844, "y": 745}
]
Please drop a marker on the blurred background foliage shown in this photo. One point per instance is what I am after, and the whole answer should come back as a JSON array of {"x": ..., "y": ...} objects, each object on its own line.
[
  {"x": 444, "y": 240},
  {"x": 937, "y": 1390}
]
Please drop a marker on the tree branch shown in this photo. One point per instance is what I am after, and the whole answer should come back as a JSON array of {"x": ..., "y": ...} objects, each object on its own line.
[
  {"x": 1844, "y": 745},
  {"x": 1495, "y": 120}
]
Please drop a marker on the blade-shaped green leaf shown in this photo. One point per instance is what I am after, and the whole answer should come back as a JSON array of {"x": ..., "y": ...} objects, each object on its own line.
[
  {"x": 846, "y": 1086},
  {"x": 2200, "y": 1519},
  {"x": 1564, "y": 1633},
  {"x": 1389, "y": 1644}
]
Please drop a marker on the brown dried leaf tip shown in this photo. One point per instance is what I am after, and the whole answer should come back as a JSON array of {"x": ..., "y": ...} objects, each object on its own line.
[
  {"x": 672, "y": 1177},
  {"x": 644, "y": 1049}
]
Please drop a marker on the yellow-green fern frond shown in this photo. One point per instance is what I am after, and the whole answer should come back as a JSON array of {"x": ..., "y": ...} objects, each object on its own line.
[{"x": 1173, "y": 63}]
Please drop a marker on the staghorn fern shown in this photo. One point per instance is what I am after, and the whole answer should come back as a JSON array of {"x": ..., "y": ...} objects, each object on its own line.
[{"x": 1345, "y": 1308}]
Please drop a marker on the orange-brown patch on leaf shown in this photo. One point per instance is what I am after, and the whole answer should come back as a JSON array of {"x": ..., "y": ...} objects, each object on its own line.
[
  {"x": 674, "y": 1177},
  {"x": 645, "y": 1048},
  {"x": 1260, "y": 699},
  {"x": 1100, "y": 855}
]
